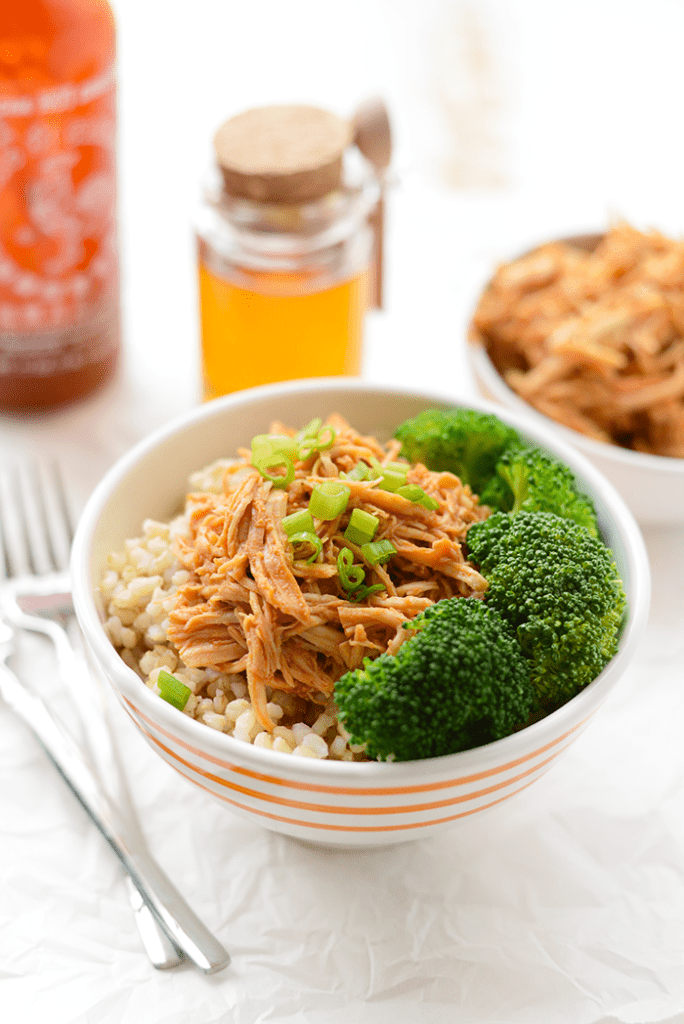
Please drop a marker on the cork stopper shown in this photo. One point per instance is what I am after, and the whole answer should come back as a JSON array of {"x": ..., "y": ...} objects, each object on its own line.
[{"x": 282, "y": 154}]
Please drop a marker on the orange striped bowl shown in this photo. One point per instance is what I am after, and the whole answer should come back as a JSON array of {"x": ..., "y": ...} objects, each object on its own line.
[{"x": 329, "y": 802}]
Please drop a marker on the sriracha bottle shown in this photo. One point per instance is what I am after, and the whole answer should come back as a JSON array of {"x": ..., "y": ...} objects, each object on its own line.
[{"x": 59, "y": 294}]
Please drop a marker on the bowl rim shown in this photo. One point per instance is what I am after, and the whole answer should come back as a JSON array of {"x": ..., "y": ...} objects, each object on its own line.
[
  {"x": 482, "y": 364},
  {"x": 226, "y": 748}
]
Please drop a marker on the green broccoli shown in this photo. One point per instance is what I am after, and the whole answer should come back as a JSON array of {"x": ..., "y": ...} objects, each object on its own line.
[
  {"x": 465, "y": 442},
  {"x": 501, "y": 468},
  {"x": 459, "y": 682},
  {"x": 529, "y": 480},
  {"x": 558, "y": 588}
]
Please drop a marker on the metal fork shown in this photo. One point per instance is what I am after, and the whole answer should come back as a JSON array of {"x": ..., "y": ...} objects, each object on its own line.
[
  {"x": 69, "y": 760},
  {"x": 35, "y": 532}
]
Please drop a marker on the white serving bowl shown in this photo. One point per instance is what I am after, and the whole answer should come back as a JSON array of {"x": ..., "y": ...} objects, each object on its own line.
[
  {"x": 335, "y": 803},
  {"x": 651, "y": 485}
]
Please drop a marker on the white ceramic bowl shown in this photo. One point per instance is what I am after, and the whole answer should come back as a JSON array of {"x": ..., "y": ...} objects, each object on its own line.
[
  {"x": 651, "y": 485},
  {"x": 333, "y": 803}
]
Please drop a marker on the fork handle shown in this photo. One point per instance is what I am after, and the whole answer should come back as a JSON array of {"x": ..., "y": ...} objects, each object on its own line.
[
  {"x": 163, "y": 953},
  {"x": 178, "y": 920}
]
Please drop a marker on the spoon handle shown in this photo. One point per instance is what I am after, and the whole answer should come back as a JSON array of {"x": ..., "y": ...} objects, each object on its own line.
[{"x": 377, "y": 221}]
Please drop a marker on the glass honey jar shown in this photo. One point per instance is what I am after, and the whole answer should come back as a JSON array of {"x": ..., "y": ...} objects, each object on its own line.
[{"x": 284, "y": 249}]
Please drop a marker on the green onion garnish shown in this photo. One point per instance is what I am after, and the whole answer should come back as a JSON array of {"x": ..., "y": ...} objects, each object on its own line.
[
  {"x": 307, "y": 447},
  {"x": 273, "y": 451},
  {"x": 275, "y": 461},
  {"x": 361, "y": 471},
  {"x": 362, "y": 527},
  {"x": 308, "y": 537},
  {"x": 378, "y": 552},
  {"x": 172, "y": 690},
  {"x": 391, "y": 481},
  {"x": 326, "y": 438},
  {"x": 351, "y": 576},
  {"x": 318, "y": 442},
  {"x": 416, "y": 494},
  {"x": 314, "y": 438},
  {"x": 392, "y": 476},
  {"x": 412, "y": 492},
  {"x": 311, "y": 429},
  {"x": 363, "y": 592},
  {"x": 298, "y": 522},
  {"x": 270, "y": 444},
  {"x": 329, "y": 499}
]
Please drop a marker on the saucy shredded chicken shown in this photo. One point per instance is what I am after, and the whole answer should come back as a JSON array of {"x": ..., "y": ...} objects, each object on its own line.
[
  {"x": 591, "y": 333},
  {"x": 250, "y": 606}
]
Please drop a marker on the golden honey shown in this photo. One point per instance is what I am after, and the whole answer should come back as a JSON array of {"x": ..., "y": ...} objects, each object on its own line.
[{"x": 278, "y": 329}]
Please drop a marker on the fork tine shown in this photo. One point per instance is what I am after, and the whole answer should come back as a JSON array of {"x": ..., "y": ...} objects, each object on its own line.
[
  {"x": 34, "y": 519},
  {"x": 4, "y": 566},
  {"x": 16, "y": 560},
  {"x": 56, "y": 525},
  {"x": 35, "y": 532}
]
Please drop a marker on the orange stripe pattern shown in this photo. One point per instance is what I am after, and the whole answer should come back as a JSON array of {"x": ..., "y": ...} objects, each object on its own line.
[{"x": 348, "y": 809}]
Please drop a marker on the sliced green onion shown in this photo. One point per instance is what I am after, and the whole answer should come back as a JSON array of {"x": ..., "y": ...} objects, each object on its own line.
[
  {"x": 391, "y": 481},
  {"x": 311, "y": 429},
  {"x": 261, "y": 447},
  {"x": 275, "y": 461},
  {"x": 329, "y": 499},
  {"x": 270, "y": 444},
  {"x": 378, "y": 551},
  {"x": 298, "y": 522},
  {"x": 363, "y": 592},
  {"x": 274, "y": 451},
  {"x": 172, "y": 690},
  {"x": 416, "y": 494},
  {"x": 412, "y": 492},
  {"x": 392, "y": 476},
  {"x": 306, "y": 448},
  {"x": 362, "y": 527},
  {"x": 326, "y": 438},
  {"x": 308, "y": 537},
  {"x": 318, "y": 442},
  {"x": 351, "y": 576},
  {"x": 361, "y": 471}
]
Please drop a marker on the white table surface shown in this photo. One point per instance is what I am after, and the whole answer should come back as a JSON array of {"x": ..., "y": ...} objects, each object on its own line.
[{"x": 514, "y": 121}]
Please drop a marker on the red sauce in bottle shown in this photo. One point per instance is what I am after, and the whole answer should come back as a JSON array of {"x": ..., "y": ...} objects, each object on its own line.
[{"x": 59, "y": 301}]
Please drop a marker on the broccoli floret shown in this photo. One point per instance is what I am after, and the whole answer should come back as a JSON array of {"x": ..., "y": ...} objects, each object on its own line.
[
  {"x": 465, "y": 442},
  {"x": 506, "y": 473},
  {"x": 528, "y": 480},
  {"x": 459, "y": 682},
  {"x": 497, "y": 493},
  {"x": 559, "y": 589}
]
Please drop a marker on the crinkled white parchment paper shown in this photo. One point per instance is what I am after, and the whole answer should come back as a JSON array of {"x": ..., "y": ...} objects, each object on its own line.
[{"x": 563, "y": 906}]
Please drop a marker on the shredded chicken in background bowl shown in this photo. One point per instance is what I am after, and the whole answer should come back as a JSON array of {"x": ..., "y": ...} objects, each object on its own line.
[
  {"x": 221, "y": 598},
  {"x": 590, "y": 332}
]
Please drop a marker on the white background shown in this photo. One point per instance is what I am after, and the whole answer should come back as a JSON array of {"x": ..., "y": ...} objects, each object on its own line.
[{"x": 514, "y": 121}]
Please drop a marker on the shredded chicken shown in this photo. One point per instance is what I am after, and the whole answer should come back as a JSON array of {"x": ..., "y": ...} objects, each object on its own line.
[
  {"x": 249, "y": 606},
  {"x": 591, "y": 333}
]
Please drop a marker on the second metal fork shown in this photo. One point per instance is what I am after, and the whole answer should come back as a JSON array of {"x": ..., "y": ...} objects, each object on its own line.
[{"x": 35, "y": 531}]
